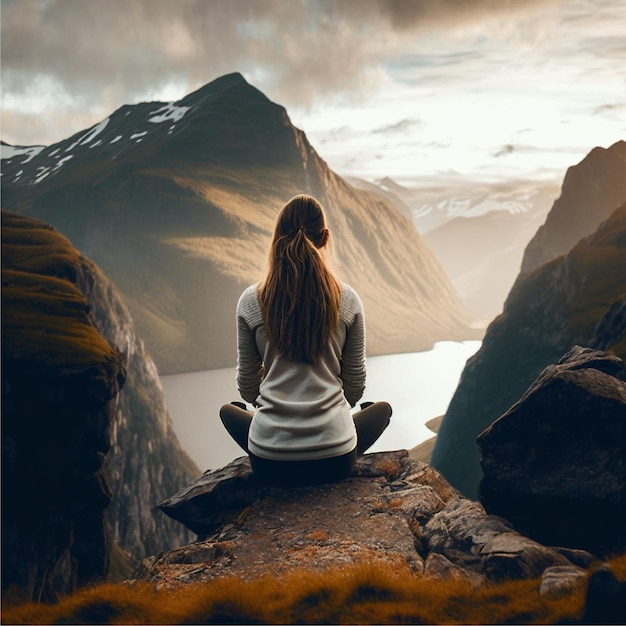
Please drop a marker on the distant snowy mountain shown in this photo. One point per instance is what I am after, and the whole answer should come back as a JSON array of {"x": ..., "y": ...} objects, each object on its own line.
[
  {"x": 433, "y": 205},
  {"x": 176, "y": 202},
  {"x": 477, "y": 232}
]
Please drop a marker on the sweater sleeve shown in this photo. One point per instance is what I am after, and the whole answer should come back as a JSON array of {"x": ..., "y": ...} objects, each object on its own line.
[
  {"x": 249, "y": 361},
  {"x": 353, "y": 357}
]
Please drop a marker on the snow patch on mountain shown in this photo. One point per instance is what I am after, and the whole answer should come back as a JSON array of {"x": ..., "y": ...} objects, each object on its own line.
[
  {"x": 9, "y": 152},
  {"x": 63, "y": 161},
  {"x": 91, "y": 134},
  {"x": 43, "y": 173},
  {"x": 170, "y": 111},
  {"x": 92, "y": 139}
]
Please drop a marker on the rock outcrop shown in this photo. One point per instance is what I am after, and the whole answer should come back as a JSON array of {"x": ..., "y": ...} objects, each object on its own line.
[
  {"x": 74, "y": 450},
  {"x": 393, "y": 510},
  {"x": 555, "y": 463},
  {"x": 60, "y": 383},
  {"x": 576, "y": 299}
]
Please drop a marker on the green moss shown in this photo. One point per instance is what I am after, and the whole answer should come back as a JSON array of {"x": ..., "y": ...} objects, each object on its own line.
[
  {"x": 599, "y": 272},
  {"x": 619, "y": 348}
]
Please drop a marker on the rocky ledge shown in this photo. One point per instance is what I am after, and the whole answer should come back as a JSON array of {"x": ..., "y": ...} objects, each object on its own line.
[{"x": 393, "y": 510}]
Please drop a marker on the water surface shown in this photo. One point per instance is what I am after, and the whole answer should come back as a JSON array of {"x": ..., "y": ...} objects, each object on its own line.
[{"x": 418, "y": 385}]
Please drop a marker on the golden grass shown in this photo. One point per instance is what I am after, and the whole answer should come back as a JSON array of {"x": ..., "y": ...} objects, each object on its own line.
[
  {"x": 44, "y": 319},
  {"x": 44, "y": 315},
  {"x": 236, "y": 257},
  {"x": 363, "y": 594}
]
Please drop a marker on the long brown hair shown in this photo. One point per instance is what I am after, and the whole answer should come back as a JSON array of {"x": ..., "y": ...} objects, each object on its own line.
[{"x": 300, "y": 296}]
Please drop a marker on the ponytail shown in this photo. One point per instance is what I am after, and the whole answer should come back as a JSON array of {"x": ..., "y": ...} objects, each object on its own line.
[{"x": 300, "y": 296}]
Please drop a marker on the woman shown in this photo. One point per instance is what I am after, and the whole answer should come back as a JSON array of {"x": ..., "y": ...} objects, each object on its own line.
[{"x": 301, "y": 361}]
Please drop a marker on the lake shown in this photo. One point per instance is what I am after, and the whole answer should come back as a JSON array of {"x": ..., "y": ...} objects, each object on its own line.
[{"x": 418, "y": 385}]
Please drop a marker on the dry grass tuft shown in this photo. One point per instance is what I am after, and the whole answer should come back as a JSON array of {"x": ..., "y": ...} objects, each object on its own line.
[
  {"x": 618, "y": 565},
  {"x": 366, "y": 593}
]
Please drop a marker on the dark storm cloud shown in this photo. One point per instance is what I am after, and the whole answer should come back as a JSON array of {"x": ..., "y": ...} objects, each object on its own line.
[
  {"x": 410, "y": 14},
  {"x": 103, "y": 53},
  {"x": 137, "y": 44}
]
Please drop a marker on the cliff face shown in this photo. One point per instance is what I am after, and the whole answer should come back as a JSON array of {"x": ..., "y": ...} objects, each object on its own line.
[
  {"x": 577, "y": 298},
  {"x": 71, "y": 443},
  {"x": 145, "y": 461},
  {"x": 591, "y": 191},
  {"x": 177, "y": 203},
  {"x": 60, "y": 381}
]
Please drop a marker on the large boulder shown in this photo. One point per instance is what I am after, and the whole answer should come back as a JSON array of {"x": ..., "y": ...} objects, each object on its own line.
[{"x": 555, "y": 463}]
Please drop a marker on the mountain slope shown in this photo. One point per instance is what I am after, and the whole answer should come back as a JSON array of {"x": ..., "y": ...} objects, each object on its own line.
[
  {"x": 591, "y": 191},
  {"x": 482, "y": 255},
  {"x": 578, "y": 298},
  {"x": 177, "y": 202},
  {"x": 477, "y": 231}
]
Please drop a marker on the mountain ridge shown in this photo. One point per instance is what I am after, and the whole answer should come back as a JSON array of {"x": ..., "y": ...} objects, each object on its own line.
[{"x": 574, "y": 299}]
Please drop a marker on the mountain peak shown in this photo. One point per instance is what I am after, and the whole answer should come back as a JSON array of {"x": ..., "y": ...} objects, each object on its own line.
[
  {"x": 234, "y": 82},
  {"x": 204, "y": 172},
  {"x": 591, "y": 191}
]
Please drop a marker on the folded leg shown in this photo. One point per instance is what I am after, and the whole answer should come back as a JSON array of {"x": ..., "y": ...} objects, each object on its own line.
[
  {"x": 237, "y": 422},
  {"x": 370, "y": 423}
]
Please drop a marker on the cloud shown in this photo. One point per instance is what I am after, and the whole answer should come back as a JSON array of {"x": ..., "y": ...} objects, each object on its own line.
[
  {"x": 100, "y": 54},
  {"x": 612, "y": 111},
  {"x": 403, "y": 126},
  {"x": 504, "y": 150},
  {"x": 403, "y": 15}
]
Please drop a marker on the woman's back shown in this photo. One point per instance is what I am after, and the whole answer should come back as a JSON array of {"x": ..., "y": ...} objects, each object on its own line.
[
  {"x": 301, "y": 361},
  {"x": 303, "y": 408}
]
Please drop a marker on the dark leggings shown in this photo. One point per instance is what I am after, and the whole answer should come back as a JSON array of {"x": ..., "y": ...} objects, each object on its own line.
[{"x": 370, "y": 423}]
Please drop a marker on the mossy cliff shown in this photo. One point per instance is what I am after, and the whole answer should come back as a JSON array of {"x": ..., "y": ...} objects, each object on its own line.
[
  {"x": 60, "y": 382},
  {"x": 74, "y": 449}
]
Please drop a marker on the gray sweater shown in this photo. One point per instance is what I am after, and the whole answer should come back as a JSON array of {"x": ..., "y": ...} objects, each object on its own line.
[{"x": 303, "y": 410}]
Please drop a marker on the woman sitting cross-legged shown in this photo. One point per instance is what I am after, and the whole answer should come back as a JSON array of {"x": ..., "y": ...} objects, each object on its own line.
[{"x": 301, "y": 362}]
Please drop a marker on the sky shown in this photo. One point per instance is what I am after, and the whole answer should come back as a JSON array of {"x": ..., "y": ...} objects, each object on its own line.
[{"x": 418, "y": 90}]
